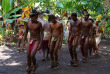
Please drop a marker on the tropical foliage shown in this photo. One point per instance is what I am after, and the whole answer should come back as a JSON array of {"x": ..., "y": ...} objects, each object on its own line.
[
  {"x": 7, "y": 10},
  {"x": 61, "y": 7}
]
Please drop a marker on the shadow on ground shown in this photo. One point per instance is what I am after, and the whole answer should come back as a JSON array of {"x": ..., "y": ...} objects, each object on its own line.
[{"x": 12, "y": 62}]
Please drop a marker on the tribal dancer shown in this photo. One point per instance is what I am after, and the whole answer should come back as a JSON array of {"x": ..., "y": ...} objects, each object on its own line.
[
  {"x": 85, "y": 35},
  {"x": 34, "y": 44},
  {"x": 55, "y": 40},
  {"x": 74, "y": 33}
]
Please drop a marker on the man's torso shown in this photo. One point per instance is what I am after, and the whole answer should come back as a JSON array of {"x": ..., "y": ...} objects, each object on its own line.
[
  {"x": 86, "y": 28},
  {"x": 75, "y": 27},
  {"x": 34, "y": 29},
  {"x": 56, "y": 29}
]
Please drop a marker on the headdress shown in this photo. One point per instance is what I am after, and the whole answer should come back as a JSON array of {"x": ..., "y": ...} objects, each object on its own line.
[{"x": 26, "y": 12}]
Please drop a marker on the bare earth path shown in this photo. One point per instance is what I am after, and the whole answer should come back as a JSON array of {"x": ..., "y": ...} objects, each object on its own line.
[{"x": 12, "y": 62}]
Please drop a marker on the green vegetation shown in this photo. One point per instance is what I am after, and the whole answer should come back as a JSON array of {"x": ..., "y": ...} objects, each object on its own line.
[{"x": 61, "y": 7}]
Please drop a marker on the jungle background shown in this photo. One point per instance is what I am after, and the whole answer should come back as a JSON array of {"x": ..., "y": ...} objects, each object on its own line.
[{"x": 10, "y": 11}]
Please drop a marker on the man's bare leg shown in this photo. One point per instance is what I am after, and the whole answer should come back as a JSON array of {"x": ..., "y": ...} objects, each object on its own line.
[
  {"x": 47, "y": 53},
  {"x": 75, "y": 43},
  {"x": 71, "y": 54},
  {"x": 90, "y": 51},
  {"x": 33, "y": 53},
  {"x": 19, "y": 42},
  {"x": 28, "y": 60},
  {"x": 56, "y": 54},
  {"x": 43, "y": 59},
  {"x": 86, "y": 46},
  {"x": 86, "y": 49},
  {"x": 52, "y": 46},
  {"x": 23, "y": 44},
  {"x": 82, "y": 51}
]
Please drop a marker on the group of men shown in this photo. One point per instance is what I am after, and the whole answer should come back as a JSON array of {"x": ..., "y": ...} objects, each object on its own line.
[
  {"x": 50, "y": 36},
  {"x": 84, "y": 34}
]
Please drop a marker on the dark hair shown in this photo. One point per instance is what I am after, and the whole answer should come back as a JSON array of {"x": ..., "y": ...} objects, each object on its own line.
[
  {"x": 34, "y": 13},
  {"x": 51, "y": 17},
  {"x": 74, "y": 14},
  {"x": 69, "y": 18},
  {"x": 47, "y": 11}
]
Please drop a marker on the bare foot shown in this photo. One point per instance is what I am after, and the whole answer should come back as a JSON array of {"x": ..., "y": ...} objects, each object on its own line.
[
  {"x": 84, "y": 60},
  {"x": 43, "y": 59},
  {"x": 56, "y": 68},
  {"x": 23, "y": 50},
  {"x": 29, "y": 70},
  {"x": 71, "y": 63},
  {"x": 52, "y": 65},
  {"x": 75, "y": 63},
  {"x": 18, "y": 50},
  {"x": 33, "y": 72}
]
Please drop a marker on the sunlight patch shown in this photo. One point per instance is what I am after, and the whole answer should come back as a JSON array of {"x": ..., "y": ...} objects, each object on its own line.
[
  {"x": 3, "y": 57},
  {"x": 13, "y": 63},
  {"x": 105, "y": 47}
]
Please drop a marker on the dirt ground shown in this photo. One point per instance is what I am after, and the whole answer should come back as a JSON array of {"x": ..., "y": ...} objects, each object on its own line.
[{"x": 12, "y": 62}]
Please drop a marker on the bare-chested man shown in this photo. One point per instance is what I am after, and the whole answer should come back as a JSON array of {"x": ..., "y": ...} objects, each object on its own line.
[
  {"x": 21, "y": 25},
  {"x": 34, "y": 44},
  {"x": 92, "y": 44},
  {"x": 86, "y": 33},
  {"x": 45, "y": 42},
  {"x": 74, "y": 33},
  {"x": 55, "y": 40},
  {"x": 58, "y": 18}
]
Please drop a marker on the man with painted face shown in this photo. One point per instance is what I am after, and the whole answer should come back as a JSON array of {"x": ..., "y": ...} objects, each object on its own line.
[
  {"x": 34, "y": 44},
  {"x": 56, "y": 30},
  {"x": 86, "y": 33},
  {"x": 74, "y": 33}
]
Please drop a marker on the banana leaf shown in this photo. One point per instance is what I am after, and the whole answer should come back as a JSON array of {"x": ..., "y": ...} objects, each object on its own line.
[
  {"x": 1, "y": 12},
  {"x": 5, "y": 6},
  {"x": 11, "y": 3},
  {"x": 2, "y": 31},
  {"x": 18, "y": 15},
  {"x": 15, "y": 10},
  {"x": 9, "y": 20}
]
